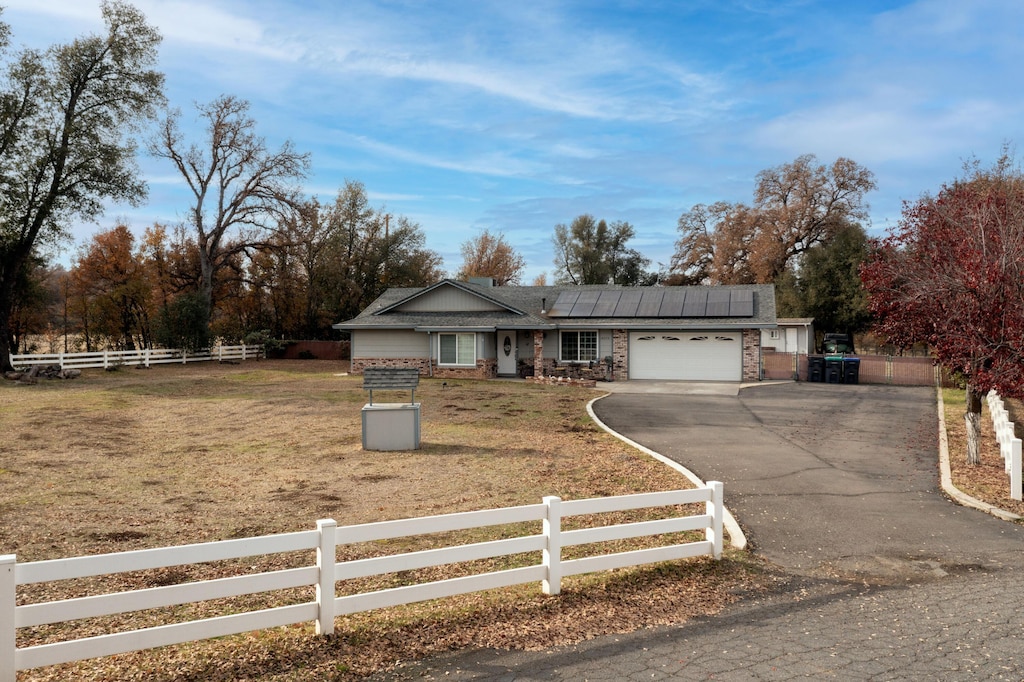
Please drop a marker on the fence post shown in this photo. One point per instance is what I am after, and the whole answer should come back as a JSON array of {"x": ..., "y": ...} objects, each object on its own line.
[
  {"x": 325, "y": 558},
  {"x": 243, "y": 351},
  {"x": 552, "y": 556},
  {"x": 716, "y": 508},
  {"x": 8, "y": 600},
  {"x": 1016, "y": 484},
  {"x": 105, "y": 361},
  {"x": 149, "y": 352}
]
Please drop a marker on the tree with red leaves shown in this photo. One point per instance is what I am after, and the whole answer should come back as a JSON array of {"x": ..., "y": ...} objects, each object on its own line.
[{"x": 951, "y": 274}]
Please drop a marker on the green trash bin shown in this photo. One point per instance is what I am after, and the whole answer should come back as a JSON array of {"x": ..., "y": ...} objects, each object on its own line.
[{"x": 833, "y": 370}]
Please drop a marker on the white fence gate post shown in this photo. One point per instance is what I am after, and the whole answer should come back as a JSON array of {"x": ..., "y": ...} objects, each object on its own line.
[
  {"x": 325, "y": 560},
  {"x": 716, "y": 508},
  {"x": 552, "y": 555},
  {"x": 8, "y": 600},
  {"x": 1016, "y": 484}
]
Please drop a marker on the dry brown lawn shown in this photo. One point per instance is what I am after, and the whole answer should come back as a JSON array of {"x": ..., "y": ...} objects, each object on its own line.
[
  {"x": 988, "y": 481},
  {"x": 132, "y": 459}
]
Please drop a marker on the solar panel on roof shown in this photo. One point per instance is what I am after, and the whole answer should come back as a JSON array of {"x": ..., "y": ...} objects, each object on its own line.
[
  {"x": 606, "y": 304},
  {"x": 650, "y": 303},
  {"x": 667, "y": 302},
  {"x": 696, "y": 303},
  {"x": 718, "y": 303},
  {"x": 741, "y": 304},
  {"x": 672, "y": 303},
  {"x": 563, "y": 306},
  {"x": 585, "y": 304},
  {"x": 629, "y": 301}
]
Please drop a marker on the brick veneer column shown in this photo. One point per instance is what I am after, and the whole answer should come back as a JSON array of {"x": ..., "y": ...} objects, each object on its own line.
[
  {"x": 751, "y": 355},
  {"x": 538, "y": 353},
  {"x": 620, "y": 354}
]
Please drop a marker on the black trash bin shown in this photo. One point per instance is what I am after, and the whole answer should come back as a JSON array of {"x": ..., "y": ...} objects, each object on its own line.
[
  {"x": 815, "y": 368},
  {"x": 833, "y": 371},
  {"x": 851, "y": 370}
]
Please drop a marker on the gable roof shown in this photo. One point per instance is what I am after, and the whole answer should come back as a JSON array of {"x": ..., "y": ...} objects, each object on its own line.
[{"x": 548, "y": 307}]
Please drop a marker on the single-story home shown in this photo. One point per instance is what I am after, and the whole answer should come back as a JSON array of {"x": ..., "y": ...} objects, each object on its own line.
[
  {"x": 475, "y": 329},
  {"x": 793, "y": 335}
]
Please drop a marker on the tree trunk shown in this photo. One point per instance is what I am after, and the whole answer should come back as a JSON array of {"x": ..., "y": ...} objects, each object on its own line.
[
  {"x": 973, "y": 420},
  {"x": 6, "y": 307}
]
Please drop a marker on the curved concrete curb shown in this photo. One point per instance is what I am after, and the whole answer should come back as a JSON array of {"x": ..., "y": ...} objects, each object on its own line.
[
  {"x": 736, "y": 537},
  {"x": 946, "y": 477}
]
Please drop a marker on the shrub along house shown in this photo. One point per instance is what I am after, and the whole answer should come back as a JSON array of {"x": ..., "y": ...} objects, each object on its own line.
[{"x": 473, "y": 329}]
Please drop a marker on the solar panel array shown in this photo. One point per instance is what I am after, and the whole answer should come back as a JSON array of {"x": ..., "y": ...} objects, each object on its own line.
[{"x": 666, "y": 302}]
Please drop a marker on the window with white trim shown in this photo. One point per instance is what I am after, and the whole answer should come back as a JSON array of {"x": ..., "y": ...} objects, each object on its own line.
[
  {"x": 456, "y": 349},
  {"x": 578, "y": 346}
]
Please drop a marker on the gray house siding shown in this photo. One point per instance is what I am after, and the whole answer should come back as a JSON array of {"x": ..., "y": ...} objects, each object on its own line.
[
  {"x": 445, "y": 300},
  {"x": 397, "y": 343}
]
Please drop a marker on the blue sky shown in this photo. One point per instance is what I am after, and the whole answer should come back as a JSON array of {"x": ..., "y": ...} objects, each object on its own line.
[{"x": 517, "y": 116}]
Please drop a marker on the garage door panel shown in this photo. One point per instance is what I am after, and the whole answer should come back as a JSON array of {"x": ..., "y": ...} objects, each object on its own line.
[{"x": 686, "y": 356}]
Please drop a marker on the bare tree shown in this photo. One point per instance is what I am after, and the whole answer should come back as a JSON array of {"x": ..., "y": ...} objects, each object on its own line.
[{"x": 240, "y": 189}]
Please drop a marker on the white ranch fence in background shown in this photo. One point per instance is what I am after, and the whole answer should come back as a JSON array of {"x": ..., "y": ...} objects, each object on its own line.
[
  {"x": 144, "y": 357},
  {"x": 326, "y": 571},
  {"x": 1009, "y": 444}
]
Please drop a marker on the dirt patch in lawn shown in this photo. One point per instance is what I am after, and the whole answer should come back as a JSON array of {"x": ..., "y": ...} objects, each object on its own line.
[
  {"x": 183, "y": 454},
  {"x": 989, "y": 480}
]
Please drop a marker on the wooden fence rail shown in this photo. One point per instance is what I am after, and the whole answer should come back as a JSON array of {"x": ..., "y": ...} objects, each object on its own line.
[
  {"x": 1009, "y": 444},
  {"x": 323, "y": 575},
  {"x": 874, "y": 369},
  {"x": 145, "y": 357}
]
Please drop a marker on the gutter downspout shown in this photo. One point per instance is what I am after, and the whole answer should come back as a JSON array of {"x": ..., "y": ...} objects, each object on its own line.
[{"x": 430, "y": 356}]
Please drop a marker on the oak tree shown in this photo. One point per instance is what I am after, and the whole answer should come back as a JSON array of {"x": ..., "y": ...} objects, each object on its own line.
[
  {"x": 951, "y": 274},
  {"x": 796, "y": 205},
  {"x": 240, "y": 189},
  {"x": 67, "y": 116}
]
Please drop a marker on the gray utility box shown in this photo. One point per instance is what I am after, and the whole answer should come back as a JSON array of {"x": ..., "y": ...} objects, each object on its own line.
[{"x": 391, "y": 426}]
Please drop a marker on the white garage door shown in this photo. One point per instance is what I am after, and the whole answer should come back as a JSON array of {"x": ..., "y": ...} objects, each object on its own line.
[{"x": 686, "y": 356}]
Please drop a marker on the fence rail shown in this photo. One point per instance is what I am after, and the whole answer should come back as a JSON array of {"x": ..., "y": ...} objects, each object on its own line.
[
  {"x": 324, "y": 574},
  {"x": 1009, "y": 444},
  {"x": 874, "y": 369},
  {"x": 145, "y": 357}
]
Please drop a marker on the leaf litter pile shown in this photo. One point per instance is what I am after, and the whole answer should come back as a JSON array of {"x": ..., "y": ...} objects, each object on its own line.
[{"x": 133, "y": 459}]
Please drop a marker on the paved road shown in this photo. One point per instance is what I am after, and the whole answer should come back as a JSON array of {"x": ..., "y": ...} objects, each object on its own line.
[{"x": 839, "y": 486}]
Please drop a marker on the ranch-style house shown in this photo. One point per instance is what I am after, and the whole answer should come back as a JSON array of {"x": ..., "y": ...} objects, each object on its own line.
[{"x": 477, "y": 330}]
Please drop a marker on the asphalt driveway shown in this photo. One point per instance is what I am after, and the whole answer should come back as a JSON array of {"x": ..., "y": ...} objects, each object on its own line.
[
  {"x": 823, "y": 478},
  {"x": 839, "y": 485}
]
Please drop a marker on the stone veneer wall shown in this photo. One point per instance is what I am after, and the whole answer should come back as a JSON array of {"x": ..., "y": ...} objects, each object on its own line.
[{"x": 751, "y": 355}]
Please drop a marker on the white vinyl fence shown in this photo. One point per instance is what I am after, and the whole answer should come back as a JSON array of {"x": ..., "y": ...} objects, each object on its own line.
[
  {"x": 144, "y": 357},
  {"x": 326, "y": 571},
  {"x": 1009, "y": 444}
]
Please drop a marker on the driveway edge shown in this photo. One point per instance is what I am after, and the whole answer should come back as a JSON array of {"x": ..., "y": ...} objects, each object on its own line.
[
  {"x": 736, "y": 537},
  {"x": 946, "y": 476}
]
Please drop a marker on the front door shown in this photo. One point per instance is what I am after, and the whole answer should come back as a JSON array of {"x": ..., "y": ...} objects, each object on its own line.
[{"x": 507, "y": 353}]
